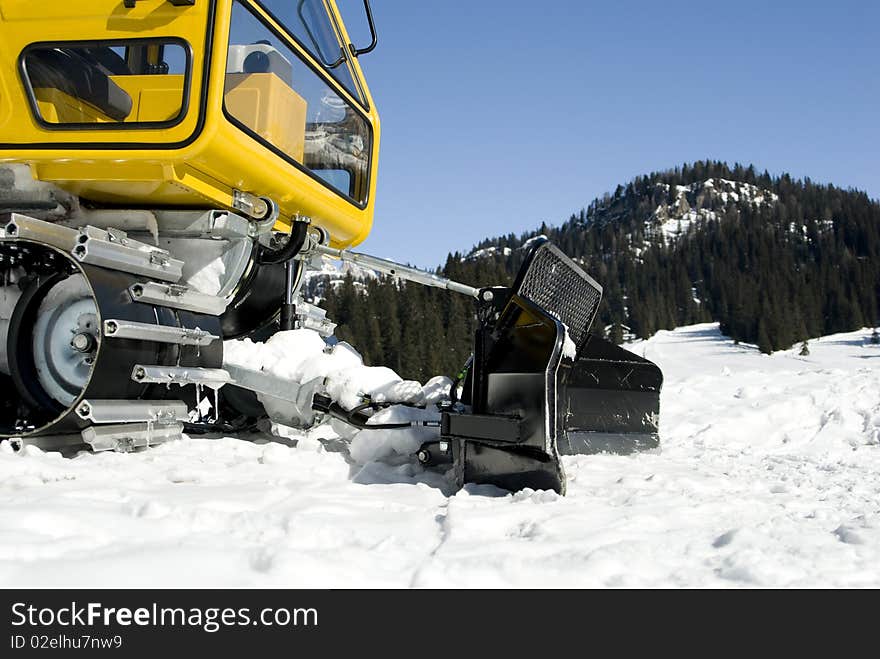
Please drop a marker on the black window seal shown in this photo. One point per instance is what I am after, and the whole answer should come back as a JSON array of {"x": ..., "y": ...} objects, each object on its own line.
[
  {"x": 361, "y": 205},
  {"x": 120, "y": 125},
  {"x": 362, "y": 101},
  {"x": 148, "y": 146}
]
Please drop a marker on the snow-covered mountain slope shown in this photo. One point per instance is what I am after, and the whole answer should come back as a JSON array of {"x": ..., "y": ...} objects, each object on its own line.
[
  {"x": 701, "y": 201},
  {"x": 672, "y": 212},
  {"x": 769, "y": 475}
]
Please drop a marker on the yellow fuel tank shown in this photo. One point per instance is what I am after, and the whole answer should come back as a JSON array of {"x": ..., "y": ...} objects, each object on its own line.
[{"x": 183, "y": 103}]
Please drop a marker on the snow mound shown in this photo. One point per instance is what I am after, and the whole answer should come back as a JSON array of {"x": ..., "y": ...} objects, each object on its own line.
[{"x": 302, "y": 356}]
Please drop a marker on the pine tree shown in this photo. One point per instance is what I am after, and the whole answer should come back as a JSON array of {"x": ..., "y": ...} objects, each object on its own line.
[
  {"x": 764, "y": 344},
  {"x": 805, "y": 349}
]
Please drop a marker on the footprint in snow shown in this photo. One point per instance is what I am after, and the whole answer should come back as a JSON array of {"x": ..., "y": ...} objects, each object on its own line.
[
  {"x": 848, "y": 536},
  {"x": 179, "y": 477},
  {"x": 261, "y": 560},
  {"x": 724, "y": 539}
]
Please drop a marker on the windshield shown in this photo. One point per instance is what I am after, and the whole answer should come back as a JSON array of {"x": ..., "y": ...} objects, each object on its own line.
[
  {"x": 312, "y": 25},
  {"x": 276, "y": 96}
]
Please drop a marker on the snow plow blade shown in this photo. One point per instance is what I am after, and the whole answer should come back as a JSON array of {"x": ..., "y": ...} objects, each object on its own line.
[{"x": 541, "y": 386}]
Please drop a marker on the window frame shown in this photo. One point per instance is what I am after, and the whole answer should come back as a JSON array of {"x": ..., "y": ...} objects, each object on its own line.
[
  {"x": 110, "y": 43},
  {"x": 254, "y": 8},
  {"x": 359, "y": 92}
]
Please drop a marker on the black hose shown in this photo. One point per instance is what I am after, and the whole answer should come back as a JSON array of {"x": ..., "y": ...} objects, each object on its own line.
[
  {"x": 298, "y": 234},
  {"x": 359, "y": 420},
  {"x": 220, "y": 427},
  {"x": 356, "y": 417},
  {"x": 462, "y": 375}
]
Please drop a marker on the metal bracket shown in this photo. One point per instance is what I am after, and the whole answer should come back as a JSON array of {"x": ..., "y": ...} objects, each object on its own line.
[
  {"x": 29, "y": 228},
  {"x": 213, "y": 378},
  {"x": 482, "y": 428},
  {"x": 125, "y": 329},
  {"x": 177, "y": 297},
  {"x": 115, "y": 250},
  {"x": 128, "y": 411},
  {"x": 129, "y": 436}
]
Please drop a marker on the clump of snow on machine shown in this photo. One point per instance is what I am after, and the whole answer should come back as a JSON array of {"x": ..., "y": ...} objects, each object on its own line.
[{"x": 302, "y": 363}]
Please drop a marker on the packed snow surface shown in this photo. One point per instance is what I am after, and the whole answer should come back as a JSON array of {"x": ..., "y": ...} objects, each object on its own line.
[{"x": 769, "y": 475}]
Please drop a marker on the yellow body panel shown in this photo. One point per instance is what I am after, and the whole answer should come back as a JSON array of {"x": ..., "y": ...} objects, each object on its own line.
[{"x": 199, "y": 161}]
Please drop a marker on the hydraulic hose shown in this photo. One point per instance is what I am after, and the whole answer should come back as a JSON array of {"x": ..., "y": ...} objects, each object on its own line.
[
  {"x": 357, "y": 419},
  {"x": 459, "y": 379},
  {"x": 298, "y": 234}
]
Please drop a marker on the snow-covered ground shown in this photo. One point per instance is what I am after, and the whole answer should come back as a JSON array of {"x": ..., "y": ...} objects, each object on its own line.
[{"x": 769, "y": 475}]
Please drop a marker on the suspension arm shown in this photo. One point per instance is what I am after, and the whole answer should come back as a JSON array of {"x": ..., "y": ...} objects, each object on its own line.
[{"x": 397, "y": 270}]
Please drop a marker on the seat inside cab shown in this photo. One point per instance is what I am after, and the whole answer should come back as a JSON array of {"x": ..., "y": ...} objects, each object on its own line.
[{"x": 83, "y": 84}]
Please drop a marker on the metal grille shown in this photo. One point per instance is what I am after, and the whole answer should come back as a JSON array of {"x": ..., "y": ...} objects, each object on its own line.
[{"x": 555, "y": 283}]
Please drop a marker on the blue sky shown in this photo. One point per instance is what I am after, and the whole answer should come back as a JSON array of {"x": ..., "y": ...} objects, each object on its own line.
[{"x": 500, "y": 114}]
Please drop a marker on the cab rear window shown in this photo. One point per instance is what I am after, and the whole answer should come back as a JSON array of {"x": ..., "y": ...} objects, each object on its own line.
[{"x": 136, "y": 83}]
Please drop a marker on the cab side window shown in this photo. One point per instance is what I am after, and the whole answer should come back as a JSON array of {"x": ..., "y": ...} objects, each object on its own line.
[
  {"x": 283, "y": 102},
  {"x": 132, "y": 82}
]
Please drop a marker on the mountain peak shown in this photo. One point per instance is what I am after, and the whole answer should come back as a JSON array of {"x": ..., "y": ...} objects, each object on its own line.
[{"x": 683, "y": 206}]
